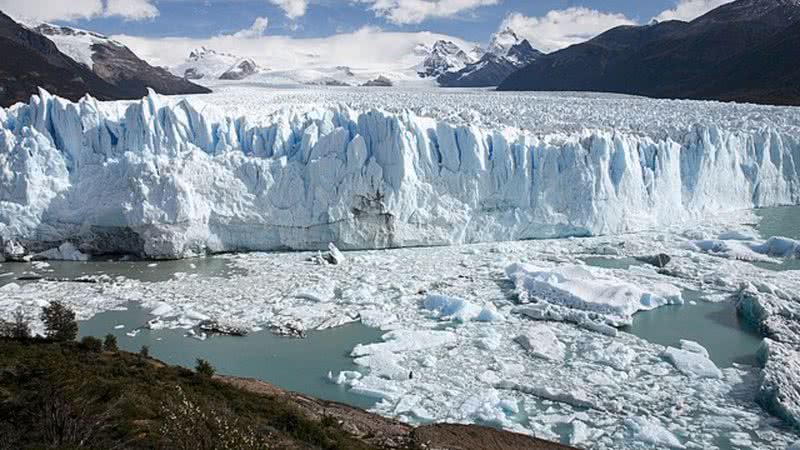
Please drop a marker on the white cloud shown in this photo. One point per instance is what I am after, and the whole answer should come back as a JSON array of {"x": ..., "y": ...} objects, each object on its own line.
[
  {"x": 131, "y": 9},
  {"x": 387, "y": 50},
  {"x": 50, "y": 10},
  {"x": 562, "y": 28},
  {"x": 417, "y": 11},
  {"x": 45, "y": 10},
  {"x": 292, "y": 8},
  {"x": 257, "y": 29},
  {"x": 688, "y": 10}
]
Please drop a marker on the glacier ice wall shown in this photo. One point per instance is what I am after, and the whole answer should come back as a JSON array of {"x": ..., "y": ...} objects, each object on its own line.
[{"x": 166, "y": 178}]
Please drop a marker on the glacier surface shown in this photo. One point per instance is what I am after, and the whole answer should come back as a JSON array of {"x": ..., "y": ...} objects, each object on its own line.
[{"x": 168, "y": 178}]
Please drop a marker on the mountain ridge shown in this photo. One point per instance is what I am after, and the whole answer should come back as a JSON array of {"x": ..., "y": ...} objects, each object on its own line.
[{"x": 670, "y": 59}]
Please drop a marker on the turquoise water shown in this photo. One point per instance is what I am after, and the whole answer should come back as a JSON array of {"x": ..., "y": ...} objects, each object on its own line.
[
  {"x": 149, "y": 271},
  {"x": 716, "y": 326},
  {"x": 779, "y": 222},
  {"x": 784, "y": 222},
  {"x": 299, "y": 365}
]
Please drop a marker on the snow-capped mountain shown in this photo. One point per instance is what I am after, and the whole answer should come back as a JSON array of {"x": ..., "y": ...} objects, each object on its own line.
[
  {"x": 208, "y": 64},
  {"x": 115, "y": 63},
  {"x": 241, "y": 70},
  {"x": 505, "y": 54},
  {"x": 444, "y": 56},
  {"x": 502, "y": 41},
  {"x": 73, "y": 63}
]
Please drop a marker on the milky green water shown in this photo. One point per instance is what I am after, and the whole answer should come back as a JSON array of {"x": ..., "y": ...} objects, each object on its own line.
[
  {"x": 716, "y": 326},
  {"x": 299, "y": 365},
  {"x": 783, "y": 222}
]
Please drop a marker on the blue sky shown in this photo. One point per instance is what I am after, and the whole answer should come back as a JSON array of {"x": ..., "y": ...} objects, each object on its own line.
[{"x": 472, "y": 20}]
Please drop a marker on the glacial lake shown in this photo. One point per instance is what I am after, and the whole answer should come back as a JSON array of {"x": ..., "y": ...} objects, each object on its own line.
[
  {"x": 299, "y": 365},
  {"x": 302, "y": 365}
]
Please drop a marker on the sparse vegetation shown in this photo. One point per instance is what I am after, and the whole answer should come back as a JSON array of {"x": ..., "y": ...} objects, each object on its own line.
[
  {"x": 110, "y": 343},
  {"x": 59, "y": 321},
  {"x": 204, "y": 368},
  {"x": 91, "y": 344},
  {"x": 58, "y": 395}
]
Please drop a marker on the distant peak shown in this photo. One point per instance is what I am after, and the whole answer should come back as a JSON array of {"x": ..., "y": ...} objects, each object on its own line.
[{"x": 503, "y": 40}]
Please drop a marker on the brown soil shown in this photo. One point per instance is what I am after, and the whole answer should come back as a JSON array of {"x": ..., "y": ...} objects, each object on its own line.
[{"x": 392, "y": 434}]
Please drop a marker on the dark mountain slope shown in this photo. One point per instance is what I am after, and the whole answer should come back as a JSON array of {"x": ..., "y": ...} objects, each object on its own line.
[
  {"x": 30, "y": 60},
  {"x": 119, "y": 66},
  {"x": 677, "y": 59}
]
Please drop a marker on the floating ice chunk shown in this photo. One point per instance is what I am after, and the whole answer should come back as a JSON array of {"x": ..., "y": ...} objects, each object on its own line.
[
  {"x": 322, "y": 292},
  {"x": 336, "y": 257},
  {"x": 739, "y": 235},
  {"x": 582, "y": 433},
  {"x": 451, "y": 308},
  {"x": 489, "y": 313},
  {"x": 575, "y": 397},
  {"x": 119, "y": 327},
  {"x": 575, "y": 287},
  {"x": 748, "y": 250},
  {"x": 405, "y": 341},
  {"x": 542, "y": 342},
  {"x": 64, "y": 252},
  {"x": 196, "y": 315},
  {"x": 691, "y": 363},
  {"x": 460, "y": 310},
  {"x": 384, "y": 365},
  {"x": 779, "y": 247},
  {"x": 694, "y": 347},
  {"x": 650, "y": 431},
  {"x": 344, "y": 377},
  {"x": 376, "y": 387},
  {"x": 162, "y": 309}
]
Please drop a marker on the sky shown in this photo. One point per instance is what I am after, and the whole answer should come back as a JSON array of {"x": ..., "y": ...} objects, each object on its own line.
[{"x": 164, "y": 29}]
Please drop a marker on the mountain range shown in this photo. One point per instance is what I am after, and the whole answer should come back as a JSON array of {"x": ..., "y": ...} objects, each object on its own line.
[
  {"x": 453, "y": 66},
  {"x": 746, "y": 51},
  {"x": 71, "y": 63}
]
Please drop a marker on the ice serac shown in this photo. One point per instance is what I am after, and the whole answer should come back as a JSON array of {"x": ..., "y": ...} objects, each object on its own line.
[{"x": 169, "y": 178}]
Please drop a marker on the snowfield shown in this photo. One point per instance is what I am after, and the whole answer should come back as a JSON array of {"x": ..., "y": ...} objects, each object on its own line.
[{"x": 272, "y": 169}]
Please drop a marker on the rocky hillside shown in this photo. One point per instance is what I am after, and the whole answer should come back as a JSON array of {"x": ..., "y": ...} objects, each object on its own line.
[
  {"x": 117, "y": 64},
  {"x": 743, "y": 51}
]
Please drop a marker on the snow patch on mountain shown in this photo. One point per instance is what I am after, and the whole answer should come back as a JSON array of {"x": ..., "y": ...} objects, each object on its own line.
[
  {"x": 205, "y": 63},
  {"x": 76, "y": 43}
]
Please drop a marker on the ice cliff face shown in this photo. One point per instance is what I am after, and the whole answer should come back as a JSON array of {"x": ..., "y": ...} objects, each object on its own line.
[{"x": 167, "y": 178}]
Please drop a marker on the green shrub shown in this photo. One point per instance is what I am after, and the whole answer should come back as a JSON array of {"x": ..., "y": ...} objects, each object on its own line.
[
  {"x": 59, "y": 321},
  {"x": 20, "y": 328},
  {"x": 110, "y": 343},
  {"x": 92, "y": 344},
  {"x": 204, "y": 368}
]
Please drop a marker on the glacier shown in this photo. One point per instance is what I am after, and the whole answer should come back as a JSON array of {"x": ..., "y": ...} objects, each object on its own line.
[{"x": 170, "y": 178}]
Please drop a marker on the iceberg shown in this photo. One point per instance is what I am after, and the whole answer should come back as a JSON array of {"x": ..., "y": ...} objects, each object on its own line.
[
  {"x": 170, "y": 178},
  {"x": 579, "y": 291}
]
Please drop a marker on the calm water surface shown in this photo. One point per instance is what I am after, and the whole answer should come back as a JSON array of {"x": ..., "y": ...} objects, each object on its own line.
[{"x": 299, "y": 365}]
